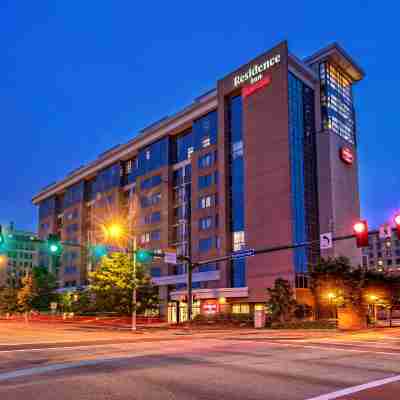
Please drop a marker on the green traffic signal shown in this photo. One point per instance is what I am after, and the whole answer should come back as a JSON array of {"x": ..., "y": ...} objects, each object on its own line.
[
  {"x": 98, "y": 250},
  {"x": 54, "y": 245},
  {"x": 1, "y": 236},
  {"x": 144, "y": 256},
  {"x": 54, "y": 248}
]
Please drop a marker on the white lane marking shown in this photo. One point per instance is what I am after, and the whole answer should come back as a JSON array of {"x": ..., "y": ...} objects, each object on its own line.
[
  {"x": 50, "y": 368},
  {"x": 321, "y": 347},
  {"x": 355, "y": 389},
  {"x": 58, "y": 348},
  {"x": 88, "y": 347},
  {"x": 359, "y": 344}
]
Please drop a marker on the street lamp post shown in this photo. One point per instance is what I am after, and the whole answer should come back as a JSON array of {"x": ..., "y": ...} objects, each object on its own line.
[{"x": 134, "y": 294}]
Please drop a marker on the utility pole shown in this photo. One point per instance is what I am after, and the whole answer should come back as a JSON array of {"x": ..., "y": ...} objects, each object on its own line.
[
  {"x": 189, "y": 289},
  {"x": 134, "y": 293}
]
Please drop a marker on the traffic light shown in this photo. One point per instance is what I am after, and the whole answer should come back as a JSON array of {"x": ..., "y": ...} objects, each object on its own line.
[
  {"x": 98, "y": 251},
  {"x": 1, "y": 236},
  {"x": 54, "y": 245},
  {"x": 360, "y": 229},
  {"x": 397, "y": 223},
  {"x": 144, "y": 256}
]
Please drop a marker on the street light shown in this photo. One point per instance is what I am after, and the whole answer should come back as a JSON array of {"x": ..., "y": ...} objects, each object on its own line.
[
  {"x": 3, "y": 260},
  {"x": 116, "y": 232},
  {"x": 331, "y": 297},
  {"x": 374, "y": 299}
]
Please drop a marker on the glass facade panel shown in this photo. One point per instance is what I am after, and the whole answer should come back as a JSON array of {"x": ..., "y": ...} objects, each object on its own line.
[
  {"x": 337, "y": 102},
  {"x": 107, "y": 179},
  {"x": 47, "y": 207},
  {"x": 182, "y": 146},
  {"x": 303, "y": 172},
  {"x": 236, "y": 185},
  {"x": 205, "y": 130},
  {"x": 153, "y": 157},
  {"x": 74, "y": 194}
]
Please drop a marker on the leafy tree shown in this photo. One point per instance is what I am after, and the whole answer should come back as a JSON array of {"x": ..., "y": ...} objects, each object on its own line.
[
  {"x": 112, "y": 284},
  {"x": 45, "y": 283},
  {"x": 8, "y": 300},
  {"x": 281, "y": 303},
  {"x": 333, "y": 281},
  {"x": 27, "y": 294}
]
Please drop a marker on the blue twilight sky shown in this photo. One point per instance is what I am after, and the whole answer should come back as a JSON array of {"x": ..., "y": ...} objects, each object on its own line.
[{"x": 77, "y": 77}]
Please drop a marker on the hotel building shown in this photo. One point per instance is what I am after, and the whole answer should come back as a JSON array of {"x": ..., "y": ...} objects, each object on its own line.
[{"x": 267, "y": 158}]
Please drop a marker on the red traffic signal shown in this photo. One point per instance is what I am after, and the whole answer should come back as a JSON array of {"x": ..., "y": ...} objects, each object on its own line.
[
  {"x": 360, "y": 229},
  {"x": 397, "y": 223}
]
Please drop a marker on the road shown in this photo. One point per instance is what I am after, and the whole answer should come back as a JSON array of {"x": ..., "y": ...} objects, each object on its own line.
[{"x": 41, "y": 361}]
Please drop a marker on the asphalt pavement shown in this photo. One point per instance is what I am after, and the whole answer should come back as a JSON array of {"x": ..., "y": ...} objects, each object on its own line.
[{"x": 46, "y": 362}]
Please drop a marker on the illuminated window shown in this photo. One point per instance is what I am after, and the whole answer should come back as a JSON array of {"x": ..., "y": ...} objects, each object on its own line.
[
  {"x": 206, "y": 141},
  {"x": 238, "y": 240},
  {"x": 240, "y": 308},
  {"x": 145, "y": 237},
  {"x": 336, "y": 102}
]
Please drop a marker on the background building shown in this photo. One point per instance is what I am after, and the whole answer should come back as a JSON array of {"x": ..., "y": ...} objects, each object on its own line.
[
  {"x": 20, "y": 252},
  {"x": 267, "y": 158},
  {"x": 382, "y": 254}
]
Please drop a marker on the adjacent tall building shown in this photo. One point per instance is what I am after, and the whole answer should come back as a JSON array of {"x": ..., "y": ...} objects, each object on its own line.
[{"x": 267, "y": 158}]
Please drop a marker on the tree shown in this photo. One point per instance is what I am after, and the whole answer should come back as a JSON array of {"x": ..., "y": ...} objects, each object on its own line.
[
  {"x": 45, "y": 283},
  {"x": 27, "y": 294},
  {"x": 281, "y": 303},
  {"x": 333, "y": 281},
  {"x": 112, "y": 284},
  {"x": 8, "y": 300}
]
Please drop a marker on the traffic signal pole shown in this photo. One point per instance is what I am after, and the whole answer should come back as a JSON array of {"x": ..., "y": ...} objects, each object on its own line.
[{"x": 134, "y": 292}]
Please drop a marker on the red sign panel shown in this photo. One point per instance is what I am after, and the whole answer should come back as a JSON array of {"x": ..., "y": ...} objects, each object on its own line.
[
  {"x": 249, "y": 90},
  {"x": 347, "y": 155},
  {"x": 210, "y": 307}
]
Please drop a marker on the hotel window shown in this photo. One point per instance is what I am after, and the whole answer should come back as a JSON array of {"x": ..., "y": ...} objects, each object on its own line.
[
  {"x": 237, "y": 149},
  {"x": 155, "y": 235},
  {"x": 205, "y": 223},
  {"x": 190, "y": 151},
  {"x": 147, "y": 154},
  {"x": 238, "y": 240},
  {"x": 151, "y": 182},
  {"x": 205, "y": 142},
  {"x": 205, "y": 244},
  {"x": 145, "y": 237},
  {"x": 152, "y": 218},
  {"x": 337, "y": 102},
  {"x": 240, "y": 308},
  {"x": 155, "y": 199},
  {"x": 205, "y": 161},
  {"x": 128, "y": 167},
  {"x": 205, "y": 201}
]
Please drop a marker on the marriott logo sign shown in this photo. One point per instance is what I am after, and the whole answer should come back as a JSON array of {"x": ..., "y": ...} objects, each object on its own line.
[{"x": 255, "y": 72}]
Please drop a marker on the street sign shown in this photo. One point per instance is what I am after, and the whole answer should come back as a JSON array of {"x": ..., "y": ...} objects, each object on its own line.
[
  {"x": 325, "y": 241},
  {"x": 385, "y": 231},
  {"x": 170, "y": 258},
  {"x": 242, "y": 254}
]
